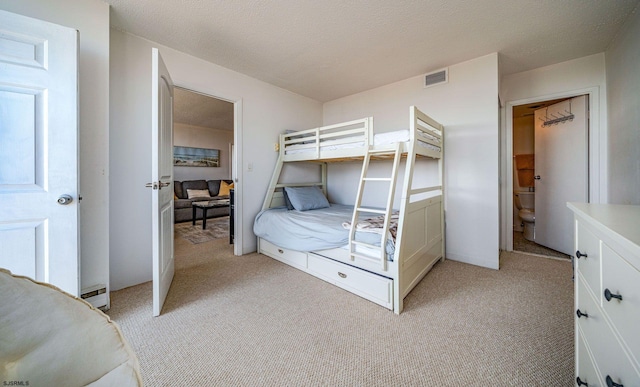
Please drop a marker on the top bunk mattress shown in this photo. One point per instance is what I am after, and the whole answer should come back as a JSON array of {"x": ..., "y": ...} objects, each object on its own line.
[
  {"x": 379, "y": 139},
  {"x": 313, "y": 230}
]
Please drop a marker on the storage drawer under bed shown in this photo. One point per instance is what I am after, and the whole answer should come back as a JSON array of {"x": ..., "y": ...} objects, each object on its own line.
[
  {"x": 371, "y": 286},
  {"x": 296, "y": 259}
]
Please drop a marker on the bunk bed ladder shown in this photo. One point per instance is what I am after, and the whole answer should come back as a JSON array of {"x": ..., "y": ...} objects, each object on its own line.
[{"x": 394, "y": 150}]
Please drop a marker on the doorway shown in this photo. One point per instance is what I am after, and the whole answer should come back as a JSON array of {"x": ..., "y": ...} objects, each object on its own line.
[
  {"x": 520, "y": 140},
  {"x": 524, "y": 156},
  {"x": 205, "y": 122}
]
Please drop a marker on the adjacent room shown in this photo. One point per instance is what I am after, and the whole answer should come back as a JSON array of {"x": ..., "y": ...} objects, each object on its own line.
[
  {"x": 202, "y": 166},
  {"x": 335, "y": 193}
]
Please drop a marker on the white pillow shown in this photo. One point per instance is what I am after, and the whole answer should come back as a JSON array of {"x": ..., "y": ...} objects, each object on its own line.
[{"x": 198, "y": 193}]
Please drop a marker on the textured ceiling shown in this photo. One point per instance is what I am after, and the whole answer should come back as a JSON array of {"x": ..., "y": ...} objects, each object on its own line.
[
  {"x": 200, "y": 110},
  {"x": 332, "y": 48}
]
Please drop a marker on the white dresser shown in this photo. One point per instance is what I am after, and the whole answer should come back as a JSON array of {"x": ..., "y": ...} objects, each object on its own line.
[{"x": 607, "y": 294}]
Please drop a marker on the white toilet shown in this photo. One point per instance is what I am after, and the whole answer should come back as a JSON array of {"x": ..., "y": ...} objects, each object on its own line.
[{"x": 525, "y": 203}]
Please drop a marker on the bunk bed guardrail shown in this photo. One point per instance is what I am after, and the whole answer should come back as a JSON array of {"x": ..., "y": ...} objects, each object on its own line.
[
  {"x": 351, "y": 135},
  {"x": 352, "y": 139}
]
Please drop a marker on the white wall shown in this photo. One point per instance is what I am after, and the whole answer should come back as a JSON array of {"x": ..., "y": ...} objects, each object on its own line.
[
  {"x": 468, "y": 108},
  {"x": 266, "y": 111},
  {"x": 623, "y": 92},
  {"x": 571, "y": 78},
  {"x": 91, "y": 18},
  {"x": 208, "y": 138}
]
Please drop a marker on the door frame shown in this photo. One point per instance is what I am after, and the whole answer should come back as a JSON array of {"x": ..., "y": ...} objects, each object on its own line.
[
  {"x": 237, "y": 142},
  {"x": 593, "y": 151}
]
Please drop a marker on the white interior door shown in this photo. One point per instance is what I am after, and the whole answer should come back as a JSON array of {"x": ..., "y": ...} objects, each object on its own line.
[
  {"x": 39, "y": 150},
  {"x": 162, "y": 180},
  {"x": 561, "y": 163}
]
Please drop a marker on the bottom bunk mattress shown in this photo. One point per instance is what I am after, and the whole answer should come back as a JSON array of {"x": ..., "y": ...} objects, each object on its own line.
[{"x": 313, "y": 230}]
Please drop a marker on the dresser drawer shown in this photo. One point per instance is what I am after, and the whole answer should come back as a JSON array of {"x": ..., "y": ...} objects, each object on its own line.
[
  {"x": 607, "y": 352},
  {"x": 589, "y": 266},
  {"x": 622, "y": 279},
  {"x": 296, "y": 259},
  {"x": 585, "y": 369},
  {"x": 370, "y": 286}
]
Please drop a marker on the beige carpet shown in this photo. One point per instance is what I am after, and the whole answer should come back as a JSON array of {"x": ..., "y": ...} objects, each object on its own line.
[
  {"x": 252, "y": 321},
  {"x": 216, "y": 228}
]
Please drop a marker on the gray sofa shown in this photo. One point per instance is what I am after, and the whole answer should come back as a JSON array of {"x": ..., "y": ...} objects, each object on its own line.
[{"x": 182, "y": 208}]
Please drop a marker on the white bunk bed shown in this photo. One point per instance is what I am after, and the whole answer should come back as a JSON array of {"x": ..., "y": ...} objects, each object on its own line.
[{"x": 362, "y": 268}]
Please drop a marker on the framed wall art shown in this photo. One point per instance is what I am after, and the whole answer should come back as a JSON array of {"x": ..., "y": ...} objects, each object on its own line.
[{"x": 184, "y": 156}]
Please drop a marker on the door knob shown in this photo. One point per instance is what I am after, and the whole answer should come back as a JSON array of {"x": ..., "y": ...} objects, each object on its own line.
[
  {"x": 581, "y": 314},
  {"x": 580, "y": 382},
  {"x": 65, "y": 199},
  {"x": 608, "y": 295},
  {"x": 536, "y": 177}
]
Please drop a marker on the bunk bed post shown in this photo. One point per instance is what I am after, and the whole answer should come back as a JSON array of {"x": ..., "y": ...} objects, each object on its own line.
[{"x": 398, "y": 284}]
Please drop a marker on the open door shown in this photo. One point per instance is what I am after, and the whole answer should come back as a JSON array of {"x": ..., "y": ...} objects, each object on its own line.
[
  {"x": 561, "y": 169},
  {"x": 161, "y": 180},
  {"x": 39, "y": 201}
]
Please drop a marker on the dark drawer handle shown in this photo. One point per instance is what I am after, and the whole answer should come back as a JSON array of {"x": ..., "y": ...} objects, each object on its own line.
[
  {"x": 580, "y": 382},
  {"x": 611, "y": 383},
  {"x": 580, "y": 314},
  {"x": 342, "y": 275},
  {"x": 608, "y": 295},
  {"x": 579, "y": 254}
]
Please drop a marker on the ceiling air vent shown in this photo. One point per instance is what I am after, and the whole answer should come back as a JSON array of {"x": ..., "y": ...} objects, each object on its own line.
[{"x": 436, "y": 77}]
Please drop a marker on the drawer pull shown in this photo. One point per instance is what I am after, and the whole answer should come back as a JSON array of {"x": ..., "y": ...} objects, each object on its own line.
[
  {"x": 579, "y": 254},
  {"x": 611, "y": 383},
  {"x": 608, "y": 295},
  {"x": 580, "y": 382},
  {"x": 342, "y": 275},
  {"x": 280, "y": 251},
  {"x": 580, "y": 314}
]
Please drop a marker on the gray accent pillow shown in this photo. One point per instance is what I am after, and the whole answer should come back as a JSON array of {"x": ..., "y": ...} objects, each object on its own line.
[{"x": 306, "y": 198}]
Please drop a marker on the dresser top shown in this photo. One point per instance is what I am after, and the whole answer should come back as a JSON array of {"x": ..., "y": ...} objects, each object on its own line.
[{"x": 622, "y": 222}]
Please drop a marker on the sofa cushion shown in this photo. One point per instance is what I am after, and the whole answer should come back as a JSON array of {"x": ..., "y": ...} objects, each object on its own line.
[
  {"x": 177, "y": 190},
  {"x": 214, "y": 187},
  {"x": 203, "y": 199},
  {"x": 193, "y": 184},
  {"x": 182, "y": 203}
]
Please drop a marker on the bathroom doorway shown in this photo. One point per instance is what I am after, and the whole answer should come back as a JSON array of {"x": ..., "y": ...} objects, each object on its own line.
[{"x": 550, "y": 167}]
